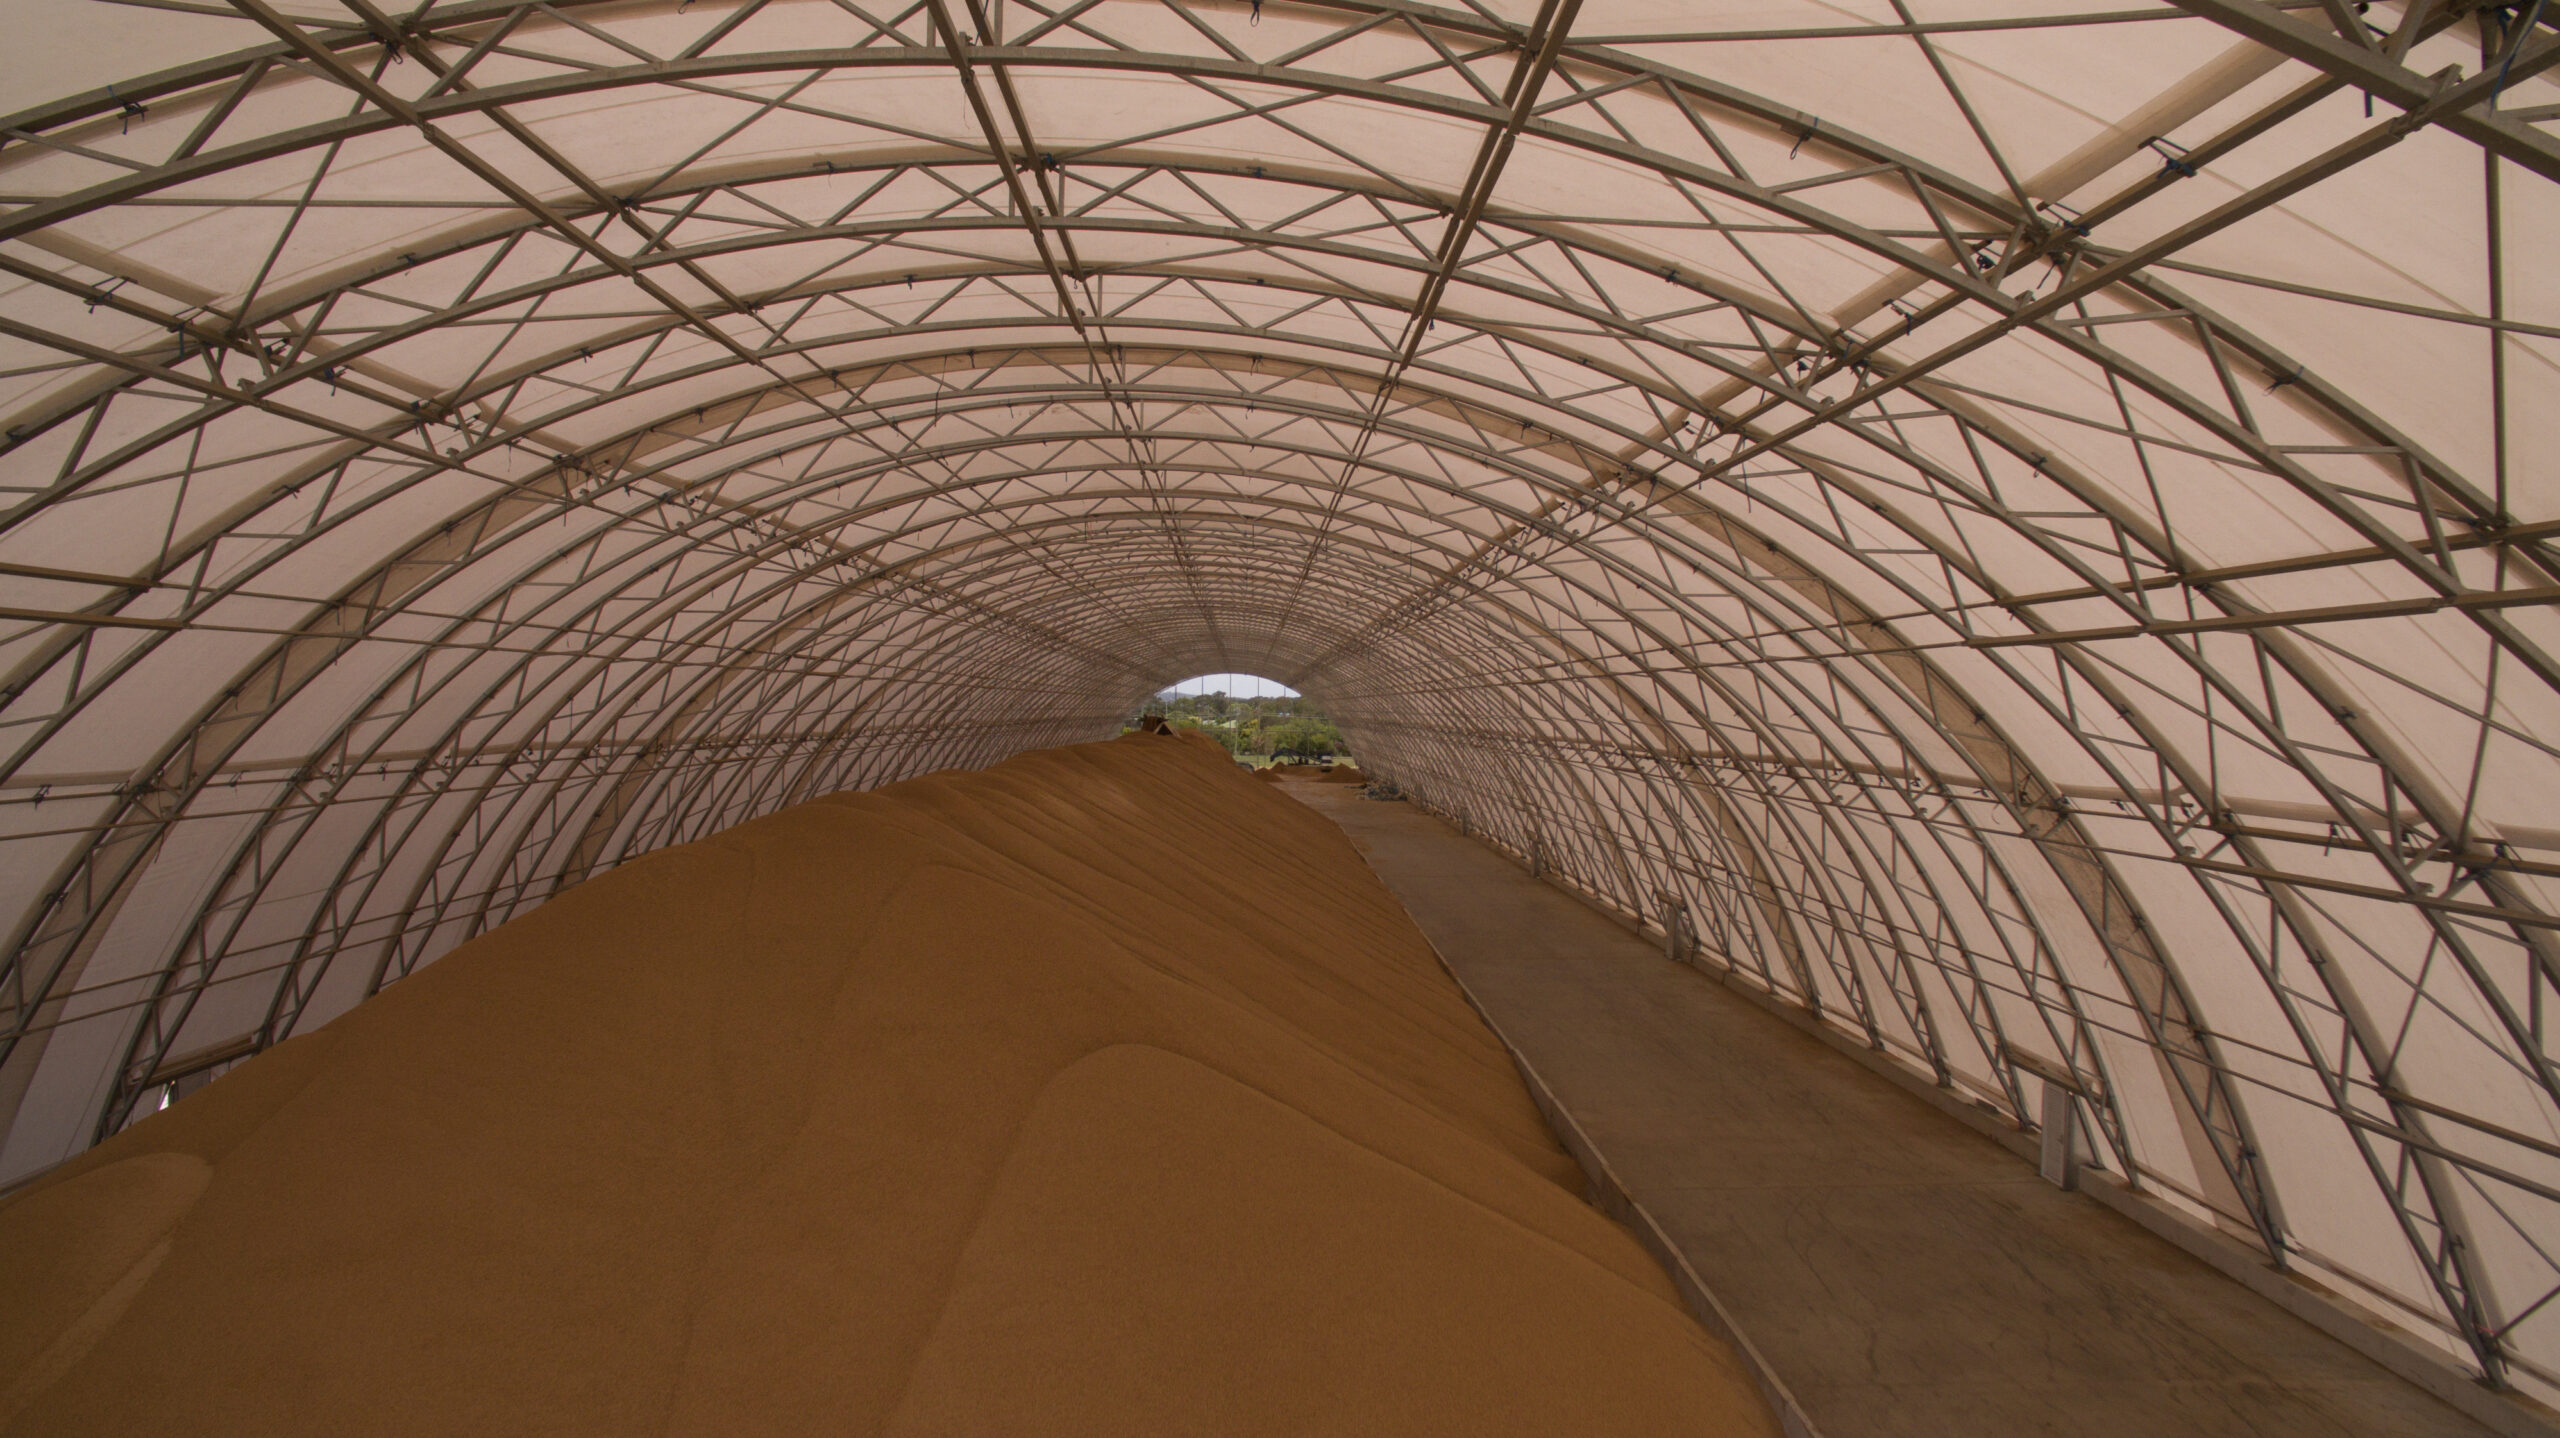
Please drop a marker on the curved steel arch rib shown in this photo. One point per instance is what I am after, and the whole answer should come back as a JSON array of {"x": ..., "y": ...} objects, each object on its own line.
[{"x": 2064, "y": 582}]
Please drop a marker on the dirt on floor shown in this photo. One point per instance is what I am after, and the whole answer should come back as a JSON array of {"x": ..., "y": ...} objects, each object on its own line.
[{"x": 1104, "y": 1091}]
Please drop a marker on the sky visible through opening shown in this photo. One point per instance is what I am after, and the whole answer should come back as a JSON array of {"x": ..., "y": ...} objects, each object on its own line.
[{"x": 1234, "y": 686}]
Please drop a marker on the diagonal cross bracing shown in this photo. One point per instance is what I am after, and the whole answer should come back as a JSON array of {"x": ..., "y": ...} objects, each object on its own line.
[{"x": 560, "y": 507}]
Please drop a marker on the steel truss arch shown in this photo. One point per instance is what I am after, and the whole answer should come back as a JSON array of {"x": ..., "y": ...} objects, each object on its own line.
[
  {"x": 1696, "y": 494},
  {"x": 2207, "y": 1108}
]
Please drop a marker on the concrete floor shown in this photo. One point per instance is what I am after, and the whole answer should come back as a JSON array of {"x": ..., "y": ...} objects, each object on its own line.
[{"x": 1901, "y": 1273}]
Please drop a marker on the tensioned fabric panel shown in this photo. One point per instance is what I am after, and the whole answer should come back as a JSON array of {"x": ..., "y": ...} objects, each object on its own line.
[{"x": 2026, "y": 531}]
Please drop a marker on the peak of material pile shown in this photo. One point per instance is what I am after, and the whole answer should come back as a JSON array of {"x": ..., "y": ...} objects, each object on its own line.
[{"x": 1104, "y": 1091}]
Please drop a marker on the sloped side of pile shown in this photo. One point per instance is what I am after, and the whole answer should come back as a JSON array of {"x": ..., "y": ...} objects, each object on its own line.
[{"x": 1101, "y": 1092}]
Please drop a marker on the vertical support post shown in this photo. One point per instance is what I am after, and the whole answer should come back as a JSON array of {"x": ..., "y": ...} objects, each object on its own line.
[
  {"x": 2059, "y": 1159},
  {"x": 2064, "y": 1148},
  {"x": 1679, "y": 938}
]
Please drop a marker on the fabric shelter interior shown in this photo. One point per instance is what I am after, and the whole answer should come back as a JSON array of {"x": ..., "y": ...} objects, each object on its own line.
[{"x": 2025, "y": 529}]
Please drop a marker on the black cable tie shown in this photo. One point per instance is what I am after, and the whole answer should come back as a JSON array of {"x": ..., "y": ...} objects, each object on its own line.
[
  {"x": 1810, "y": 131},
  {"x": 133, "y": 110},
  {"x": 2285, "y": 379},
  {"x": 2072, "y": 224},
  {"x": 2173, "y": 156},
  {"x": 2524, "y": 31}
]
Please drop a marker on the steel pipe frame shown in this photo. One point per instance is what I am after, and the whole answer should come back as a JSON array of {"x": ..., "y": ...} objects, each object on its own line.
[
  {"x": 1953, "y": 190},
  {"x": 1034, "y": 501},
  {"x": 2355, "y": 61},
  {"x": 359, "y": 761},
  {"x": 142, "y": 1061}
]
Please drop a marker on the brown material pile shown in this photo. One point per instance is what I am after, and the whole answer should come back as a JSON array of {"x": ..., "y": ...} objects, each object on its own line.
[
  {"x": 1343, "y": 774},
  {"x": 1101, "y": 1092}
]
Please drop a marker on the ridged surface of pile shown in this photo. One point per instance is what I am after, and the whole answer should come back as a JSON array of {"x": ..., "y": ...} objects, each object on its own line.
[{"x": 1101, "y": 1092}]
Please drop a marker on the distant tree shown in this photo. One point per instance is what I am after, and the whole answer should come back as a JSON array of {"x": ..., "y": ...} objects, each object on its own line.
[
  {"x": 1264, "y": 724},
  {"x": 1224, "y": 734},
  {"x": 1304, "y": 736}
]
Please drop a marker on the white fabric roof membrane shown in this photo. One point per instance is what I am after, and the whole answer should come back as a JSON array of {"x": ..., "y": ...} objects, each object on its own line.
[{"x": 2025, "y": 530}]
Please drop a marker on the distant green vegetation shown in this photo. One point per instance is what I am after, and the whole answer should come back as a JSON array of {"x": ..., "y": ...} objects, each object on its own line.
[{"x": 1259, "y": 730}]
